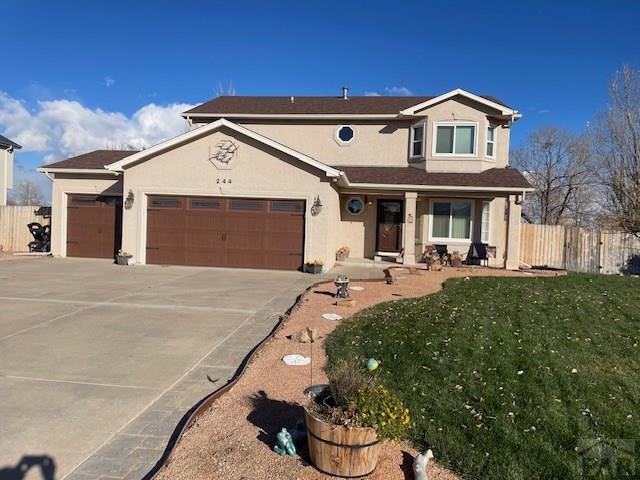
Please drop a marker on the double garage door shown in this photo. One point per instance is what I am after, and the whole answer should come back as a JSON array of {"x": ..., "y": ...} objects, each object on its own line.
[{"x": 225, "y": 232}]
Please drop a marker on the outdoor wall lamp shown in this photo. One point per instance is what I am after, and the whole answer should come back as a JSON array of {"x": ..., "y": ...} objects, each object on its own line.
[
  {"x": 128, "y": 203},
  {"x": 316, "y": 208}
]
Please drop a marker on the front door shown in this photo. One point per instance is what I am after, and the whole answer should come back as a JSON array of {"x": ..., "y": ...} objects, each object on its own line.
[{"x": 390, "y": 216}]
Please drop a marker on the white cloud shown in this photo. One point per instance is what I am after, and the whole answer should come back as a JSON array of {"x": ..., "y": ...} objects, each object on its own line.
[
  {"x": 64, "y": 128},
  {"x": 393, "y": 91},
  {"x": 402, "y": 91},
  {"x": 108, "y": 81}
]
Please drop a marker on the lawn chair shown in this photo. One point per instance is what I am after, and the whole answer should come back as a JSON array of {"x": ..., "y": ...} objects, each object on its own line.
[{"x": 41, "y": 237}]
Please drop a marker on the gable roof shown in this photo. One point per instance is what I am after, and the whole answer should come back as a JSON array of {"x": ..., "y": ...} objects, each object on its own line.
[
  {"x": 238, "y": 106},
  {"x": 506, "y": 179},
  {"x": 211, "y": 127},
  {"x": 488, "y": 101},
  {"x": 95, "y": 160},
  {"x": 6, "y": 143}
]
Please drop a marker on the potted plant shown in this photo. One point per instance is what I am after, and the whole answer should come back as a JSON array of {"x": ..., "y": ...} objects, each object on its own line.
[
  {"x": 314, "y": 266},
  {"x": 456, "y": 259},
  {"x": 342, "y": 253},
  {"x": 124, "y": 258},
  {"x": 348, "y": 421}
]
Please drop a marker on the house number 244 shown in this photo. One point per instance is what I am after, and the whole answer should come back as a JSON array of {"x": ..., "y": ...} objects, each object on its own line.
[{"x": 223, "y": 180}]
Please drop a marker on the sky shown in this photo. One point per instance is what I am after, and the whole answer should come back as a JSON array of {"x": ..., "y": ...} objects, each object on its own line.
[{"x": 83, "y": 75}]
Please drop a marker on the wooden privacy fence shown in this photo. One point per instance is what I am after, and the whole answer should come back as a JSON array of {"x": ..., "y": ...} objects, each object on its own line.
[
  {"x": 579, "y": 249},
  {"x": 14, "y": 234}
]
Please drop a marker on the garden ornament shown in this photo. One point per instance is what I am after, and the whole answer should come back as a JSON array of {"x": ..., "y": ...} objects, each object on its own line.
[
  {"x": 420, "y": 465},
  {"x": 372, "y": 364},
  {"x": 284, "y": 443},
  {"x": 342, "y": 285}
]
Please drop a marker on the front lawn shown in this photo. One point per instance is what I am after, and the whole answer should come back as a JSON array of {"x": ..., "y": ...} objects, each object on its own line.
[{"x": 512, "y": 378}]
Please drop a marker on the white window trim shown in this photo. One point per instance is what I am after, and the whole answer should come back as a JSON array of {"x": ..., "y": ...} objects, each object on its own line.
[
  {"x": 495, "y": 133},
  {"x": 451, "y": 240},
  {"x": 488, "y": 240},
  {"x": 455, "y": 124},
  {"x": 337, "y": 135},
  {"x": 422, "y": 124}
]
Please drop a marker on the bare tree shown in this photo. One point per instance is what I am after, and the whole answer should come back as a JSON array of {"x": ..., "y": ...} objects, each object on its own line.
[
  {"x": 27, "y": 192},
  {"x": 558, "y": 165},
  {"x": 221, "y": 90},
  {"x": 616, "y": 135}
]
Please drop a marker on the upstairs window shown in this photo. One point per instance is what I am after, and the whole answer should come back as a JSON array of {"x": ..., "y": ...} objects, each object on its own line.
[
  {"x": 417, "y": 140},
  {"x": 491, "y": 141},
  {"x": 345, "y": 134},
  {"x": 455, "y": 139}
]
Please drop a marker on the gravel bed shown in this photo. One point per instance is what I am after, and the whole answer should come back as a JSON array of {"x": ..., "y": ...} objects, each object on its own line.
[{"x": 234, "y": 438}]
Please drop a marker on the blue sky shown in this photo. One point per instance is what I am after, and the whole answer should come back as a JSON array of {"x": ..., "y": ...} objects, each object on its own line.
[{"x": 84, "y": 74}]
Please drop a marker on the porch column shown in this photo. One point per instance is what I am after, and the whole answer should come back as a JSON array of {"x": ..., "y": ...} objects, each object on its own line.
[
  {"x": 409, "y": 236},
  {"x": 512, "y": 262}
]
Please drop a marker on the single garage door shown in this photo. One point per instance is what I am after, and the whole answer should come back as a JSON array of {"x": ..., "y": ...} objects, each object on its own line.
[
  {"x": 94, "y": 226},
  {"x": 225, "y": 232}
]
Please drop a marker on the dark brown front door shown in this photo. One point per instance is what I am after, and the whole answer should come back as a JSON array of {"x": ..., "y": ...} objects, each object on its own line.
[
  {"x": 94, "y": 226},
  {"x": 390, "y": 216},
  {"x": 225, "y": 232}
]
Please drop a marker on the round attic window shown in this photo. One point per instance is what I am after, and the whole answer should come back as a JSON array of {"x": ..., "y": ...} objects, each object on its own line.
[
  {"x": 345, "y": 134},
  {"x": 355, "y": 205}
]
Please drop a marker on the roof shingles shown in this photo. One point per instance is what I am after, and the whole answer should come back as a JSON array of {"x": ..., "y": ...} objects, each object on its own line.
[
  {"x": 92, "y": 160},
  {"x": 491, "y": 178},
  {"x": 261, "y": 105}
]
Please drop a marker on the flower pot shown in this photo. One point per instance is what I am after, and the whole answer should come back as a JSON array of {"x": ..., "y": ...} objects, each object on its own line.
[
  {"x": 340, "y": 257},
  {"x": 315, "y": 269},
  {"x": 341, "y": 451},
  {"x": 123, "y": 259},
  {"x": 456, "y": 262}
]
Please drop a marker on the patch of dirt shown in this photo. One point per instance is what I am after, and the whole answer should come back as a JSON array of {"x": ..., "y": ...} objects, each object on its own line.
[{"x": 234, "y": 438}]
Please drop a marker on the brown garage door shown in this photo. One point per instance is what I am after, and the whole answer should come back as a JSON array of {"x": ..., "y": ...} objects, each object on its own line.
[
  {"x": 225, "y": 232},
  {"x": 94, "y": 226}
]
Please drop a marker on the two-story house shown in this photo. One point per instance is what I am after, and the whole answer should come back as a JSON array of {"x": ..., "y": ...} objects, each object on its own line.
[
  {"x": 273, "y": 182},
  {"x": 7, "y": 147}
]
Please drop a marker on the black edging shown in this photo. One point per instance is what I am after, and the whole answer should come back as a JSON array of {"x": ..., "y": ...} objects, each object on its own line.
[{"x": 189, "y": 418}]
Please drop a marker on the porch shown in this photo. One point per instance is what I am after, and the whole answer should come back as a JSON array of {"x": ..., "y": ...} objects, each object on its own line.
[{"x": 396, "y": 226}]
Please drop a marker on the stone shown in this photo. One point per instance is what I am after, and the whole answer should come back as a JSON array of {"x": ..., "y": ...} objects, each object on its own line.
[{"x": 345, "y": 302}]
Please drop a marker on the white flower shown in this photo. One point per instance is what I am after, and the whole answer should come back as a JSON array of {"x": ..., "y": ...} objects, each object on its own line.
[
  {"x": 520, "y": 372},
  {"x": 573, "y": 370}
]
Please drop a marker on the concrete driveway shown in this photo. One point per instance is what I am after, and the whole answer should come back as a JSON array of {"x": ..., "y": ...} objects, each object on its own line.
[{"x": 98, "y": 362}]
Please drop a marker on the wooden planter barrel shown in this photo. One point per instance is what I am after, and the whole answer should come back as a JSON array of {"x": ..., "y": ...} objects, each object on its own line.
[{"x": 341, "y": 451}]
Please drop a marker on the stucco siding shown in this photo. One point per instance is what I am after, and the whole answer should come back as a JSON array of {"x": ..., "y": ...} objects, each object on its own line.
[
  {"x": 373, "y": 144},
  {"x": 6, "y": 174}
]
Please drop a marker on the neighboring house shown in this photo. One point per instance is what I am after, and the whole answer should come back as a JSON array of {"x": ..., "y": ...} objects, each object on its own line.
[
  {"x": 272, "y": 182},
  {"x": 6, "y": 166}
]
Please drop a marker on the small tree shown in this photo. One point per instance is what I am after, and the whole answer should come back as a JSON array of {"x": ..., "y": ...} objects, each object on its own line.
[
  {"x": 27, "y": 192},
  {"x": 558, "y": 165},
  {"x": 616, "y": 136}
]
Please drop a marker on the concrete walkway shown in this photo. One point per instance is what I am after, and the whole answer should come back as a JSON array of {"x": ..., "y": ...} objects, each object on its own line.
[{"x": 98, "y": 363}]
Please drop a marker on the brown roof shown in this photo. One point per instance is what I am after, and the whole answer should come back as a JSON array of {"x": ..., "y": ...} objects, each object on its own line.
[
  {"x": 370, "y": 105},
  {"x": 492, "y": 178},
  {"x": 92, "y": 160}
]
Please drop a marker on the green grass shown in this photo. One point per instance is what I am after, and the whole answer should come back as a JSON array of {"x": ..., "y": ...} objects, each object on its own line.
[{"x": 507, "y": 377}]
